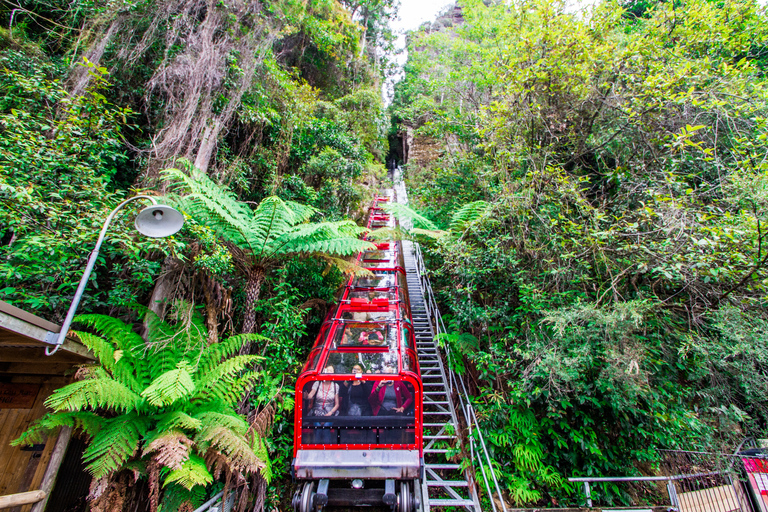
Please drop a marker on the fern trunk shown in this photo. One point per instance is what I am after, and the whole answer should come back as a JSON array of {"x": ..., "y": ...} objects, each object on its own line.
[{"x": 252, "y": 291}]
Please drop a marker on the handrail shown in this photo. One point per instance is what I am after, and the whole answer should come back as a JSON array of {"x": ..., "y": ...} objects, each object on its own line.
[
  {"x": 208, "y": 504},
  {"x": 21, "y": 498}
]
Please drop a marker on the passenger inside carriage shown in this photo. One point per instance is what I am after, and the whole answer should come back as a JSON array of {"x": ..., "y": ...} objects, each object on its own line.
[
  {"x": 391, "y": 397},
  {"x": 358, "y": 392}
]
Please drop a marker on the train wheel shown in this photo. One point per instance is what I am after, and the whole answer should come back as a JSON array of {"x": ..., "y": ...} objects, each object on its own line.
[
  {"x": 405, "y": 499},
  {"x": 302, "y": 500}
]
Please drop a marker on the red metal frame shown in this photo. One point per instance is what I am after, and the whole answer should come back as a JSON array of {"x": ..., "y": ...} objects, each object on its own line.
[{"x": 401, "y": 322}]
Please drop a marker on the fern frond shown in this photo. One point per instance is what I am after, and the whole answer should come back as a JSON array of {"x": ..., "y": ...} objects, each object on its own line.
[
  {"x": 347, "y": 267},
  {"x": 403, "y": 212},
  {"x": 429, "y": 233},
  {"x": 99, "y": 391},
  {"x": 130, "y": 367},
  {"x": 260, "y": 449},
  {"x": 85, "y": 421},
  {"x": 177, "y": 420},
  {"x": 225, "y": 371},
  {"x": 114, "y": 444},
  {"x": 233, "y": 389},
  {"x": 191, "y": 473},
  {"x": 387, "y": 234},
  {"x": 467, "y": 214},
  {"x": 170, "y": 386},
  {"x": 301, "y": 212},
  {"x": 272, "y": 218},
  {"x": 113, "y": 329},
  {"x": 226, "y": 418},
  {"x": 235, "y": 447},
  {"x": 176, "y": 497},
  {"x": 171, "y": 449},
  {"x": 101, "y": 348},
  {"x": 319, "y": 237},
  {"x": 215, "y": 353}
]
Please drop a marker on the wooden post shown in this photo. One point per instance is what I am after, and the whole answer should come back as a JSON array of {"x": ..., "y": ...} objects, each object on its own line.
[
  {"x": 49, "y": 478},
  {"x": 22, "y": 498}
]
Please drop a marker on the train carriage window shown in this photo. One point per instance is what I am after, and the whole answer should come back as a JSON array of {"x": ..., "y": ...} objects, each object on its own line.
[
  {"x": 364, "y": 334},
  {"x": 359, "y": 411},
  {"x": 379, "y": 255},
  {"x": 371, "y": 362},
  {"x": 377, "y": 281},
  {"x": 368, "y": 316},
  {"x": 370, "y": 295},
  {"x": 380, "y": 264},
  {"x": 407, "y": 336},
  {"x": 409, "y": 361},
  {"x": 313, "y": 359},
  {"x": 403, "y": 311}
]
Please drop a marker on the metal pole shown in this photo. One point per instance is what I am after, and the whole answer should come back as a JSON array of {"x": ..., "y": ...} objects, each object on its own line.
[
  {"x": 588, "y": 494},
  {"x": 207, "y": 504},
  {"x": 88, "y": 269},
  {"x": 672, "y": 491}
]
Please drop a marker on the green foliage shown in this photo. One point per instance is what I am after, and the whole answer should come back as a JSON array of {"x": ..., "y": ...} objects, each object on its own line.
[
  {"x": 609, "y": 203},
  {"x": 58, "y": 159},
  {"x": 168, "y": 402}
]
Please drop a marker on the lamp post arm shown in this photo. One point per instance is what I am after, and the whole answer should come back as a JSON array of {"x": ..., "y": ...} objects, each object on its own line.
[{"x": 87, "y": 273}]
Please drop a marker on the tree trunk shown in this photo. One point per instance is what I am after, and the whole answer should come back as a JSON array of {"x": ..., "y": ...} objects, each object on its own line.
[
  {"x": 208, "y": 145},
  {"x": 252, "y": 290}
]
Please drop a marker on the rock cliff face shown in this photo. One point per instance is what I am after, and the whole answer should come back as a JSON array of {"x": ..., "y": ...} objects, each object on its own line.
[{"x": 418, "y": 150}]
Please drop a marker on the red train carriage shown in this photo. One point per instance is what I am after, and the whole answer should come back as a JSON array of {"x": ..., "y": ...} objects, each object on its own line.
[{"x": 358, "y": 420}]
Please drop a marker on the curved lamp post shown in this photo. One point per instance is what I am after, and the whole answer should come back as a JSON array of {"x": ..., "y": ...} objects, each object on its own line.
[{"x": 156, "y": 221}]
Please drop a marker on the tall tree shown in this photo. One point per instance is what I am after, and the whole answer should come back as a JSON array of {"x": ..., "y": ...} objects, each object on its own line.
[{"x": 260, "y": 239}]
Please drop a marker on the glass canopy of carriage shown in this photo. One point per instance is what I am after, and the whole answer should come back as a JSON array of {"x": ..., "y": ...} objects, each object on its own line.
[{"x": 366, "y": 346}]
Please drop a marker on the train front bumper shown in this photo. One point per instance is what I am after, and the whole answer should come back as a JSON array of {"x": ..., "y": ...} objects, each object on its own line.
[{"x": 350, "y": 464}]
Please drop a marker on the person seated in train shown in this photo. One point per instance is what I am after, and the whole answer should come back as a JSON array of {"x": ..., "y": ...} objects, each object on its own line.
[
  {"x": 358, "y": 392},
  {"x": 371, "y": 338},
  {"x": 325, "y": 396},
  {"x": 390, "y": 397}
]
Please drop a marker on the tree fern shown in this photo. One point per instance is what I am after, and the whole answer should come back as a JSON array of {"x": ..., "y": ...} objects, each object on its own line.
[
  {"x": 166, "y": 406},
  {"x": 259, "y": 239}
]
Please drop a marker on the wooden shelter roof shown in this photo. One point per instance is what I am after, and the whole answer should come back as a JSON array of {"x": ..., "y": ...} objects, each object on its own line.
[{"x": 23, "y": 342}]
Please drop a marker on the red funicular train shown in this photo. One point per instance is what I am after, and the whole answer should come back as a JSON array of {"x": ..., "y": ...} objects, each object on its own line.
[{"x": 358, "y": 421}]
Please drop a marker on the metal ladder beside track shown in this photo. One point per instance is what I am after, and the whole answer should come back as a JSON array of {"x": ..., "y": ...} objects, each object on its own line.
[{"x": 445, "y": 484}]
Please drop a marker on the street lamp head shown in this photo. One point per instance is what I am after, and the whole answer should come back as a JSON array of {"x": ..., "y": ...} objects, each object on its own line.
[{"x": 158, "y": 221}]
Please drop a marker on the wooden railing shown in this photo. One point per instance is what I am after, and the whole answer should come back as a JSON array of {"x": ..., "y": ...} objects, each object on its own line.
[{"x": 21, "y": 498}]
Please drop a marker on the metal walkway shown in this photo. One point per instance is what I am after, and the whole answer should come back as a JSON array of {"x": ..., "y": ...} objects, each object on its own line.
[{"x": 445, "y": 483}]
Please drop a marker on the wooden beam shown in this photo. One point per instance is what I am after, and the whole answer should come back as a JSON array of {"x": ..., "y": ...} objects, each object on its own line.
[
  {"x": 52, "y": 471},
  {"x": 37, "y": 355},
  {"x": 21, "y": 498},
  {"x": 40, "y": 368},
  {"x": 27, "y": 327}
]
